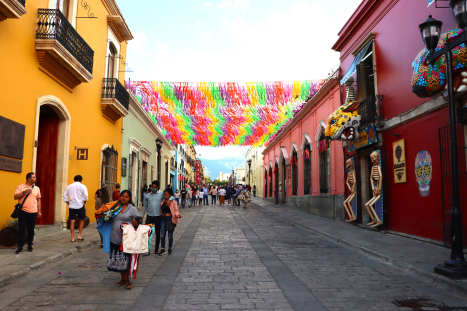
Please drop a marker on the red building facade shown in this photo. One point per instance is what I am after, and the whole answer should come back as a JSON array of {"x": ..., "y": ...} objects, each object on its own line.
[
  {"x": 415, "y": 178},
  {"x": 199, "y": 174},
  {"x": 301, "y": 167}
]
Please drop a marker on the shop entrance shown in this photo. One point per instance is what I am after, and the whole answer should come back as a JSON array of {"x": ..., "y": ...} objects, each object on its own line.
[
  {"x": 46, "y": 163},
  {"x": 284, "y": 180},
  {"x": 144, "y": 173},
  {"x": 364, "y": 191},
  {"x": 276, "y": 179},
  {"x": 109, "y": 168}
]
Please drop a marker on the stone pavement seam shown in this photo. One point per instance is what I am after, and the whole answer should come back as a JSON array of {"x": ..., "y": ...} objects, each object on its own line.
[
  {"x": 4, "y": 280},
  {"x": 298, "y": 294},
  {"x": 164, "y": 278},
  {"x": 427, "y": 276}
]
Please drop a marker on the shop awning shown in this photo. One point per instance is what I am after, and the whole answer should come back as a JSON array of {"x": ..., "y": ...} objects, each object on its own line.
[{"x": 358, "y": 58}]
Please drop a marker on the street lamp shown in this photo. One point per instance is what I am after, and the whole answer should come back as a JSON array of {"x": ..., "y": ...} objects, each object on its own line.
[
  {"x": 249, "y": 172},
  {"x": 431, "y": 31},
  {"x": 459, "y": 9},
  {"x": 159, "y": 146},
  {"x": 456, "y": 267}
]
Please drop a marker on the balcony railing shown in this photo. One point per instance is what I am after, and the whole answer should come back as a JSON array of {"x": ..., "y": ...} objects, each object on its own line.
[
  {"x": 368, "y": 111},
  {"x": 52, "y": 24},
  {"x": 12, "y": 9},
  {"x": 113, "y": 89}
]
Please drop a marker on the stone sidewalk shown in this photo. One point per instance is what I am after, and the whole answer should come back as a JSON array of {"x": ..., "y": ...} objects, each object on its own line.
[
  {"x": 407, "y": 254},
  {"x": 51, "y": 244}
]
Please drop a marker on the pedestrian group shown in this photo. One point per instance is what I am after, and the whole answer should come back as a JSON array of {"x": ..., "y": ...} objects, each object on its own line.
[{"x": 122, "y": 232}]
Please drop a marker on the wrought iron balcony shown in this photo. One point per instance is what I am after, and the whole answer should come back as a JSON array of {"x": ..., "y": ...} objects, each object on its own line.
[
  {"x": 61, "y": 50},
  {"x": 115, "y": 99},
  {"x": 368, "y": 111},
  {"x": 12, "y": 9}
]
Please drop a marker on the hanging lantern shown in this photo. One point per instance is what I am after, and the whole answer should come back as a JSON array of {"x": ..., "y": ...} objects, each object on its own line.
[
  {"x": 459, "y": 9},
  {"x": 430, "y": 31}
]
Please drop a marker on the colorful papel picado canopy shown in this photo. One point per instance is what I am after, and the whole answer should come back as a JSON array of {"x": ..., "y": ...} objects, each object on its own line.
[{"x": 222, "y": 113}]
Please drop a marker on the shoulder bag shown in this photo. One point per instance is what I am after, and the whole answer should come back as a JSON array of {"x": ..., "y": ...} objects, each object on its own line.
[{"x": 18, "y": 207}]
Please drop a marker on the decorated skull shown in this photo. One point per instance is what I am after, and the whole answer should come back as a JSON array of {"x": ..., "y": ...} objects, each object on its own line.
[
  {"x": 343, "y": 124},
  {"x": 430, "y": 79},
  {"x": 423, "y": 172}
]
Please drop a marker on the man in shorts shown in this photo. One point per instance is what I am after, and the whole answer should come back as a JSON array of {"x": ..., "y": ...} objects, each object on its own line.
[{"x": 76, "y": 196}]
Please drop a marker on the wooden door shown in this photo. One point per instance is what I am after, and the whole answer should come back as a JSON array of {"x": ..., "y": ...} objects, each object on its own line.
[{"x": 46, "y": 164}]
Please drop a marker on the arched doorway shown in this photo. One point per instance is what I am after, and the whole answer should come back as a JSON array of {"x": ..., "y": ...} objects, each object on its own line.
[
  {"x": 324, "y": 159},
  {"x": 307, "y": 168},
  {"x": 276, "y": 178},
  {"x": 47, "y": 146},
  {"x": 270, "y": 181},
  {"x": 284, "y": 180},
  {"x": 294, "y": 163},
  {"x": 50, "y": 157},
  {"x": 109, "y": 168}
]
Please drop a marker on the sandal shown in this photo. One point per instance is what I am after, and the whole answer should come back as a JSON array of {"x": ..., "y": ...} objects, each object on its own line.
[
  {"x": 73, "y": 241},
  {"x": 121, "y": 283},
  {"x": 80, "y": 239},
  {"x": 128, "y": 285}
]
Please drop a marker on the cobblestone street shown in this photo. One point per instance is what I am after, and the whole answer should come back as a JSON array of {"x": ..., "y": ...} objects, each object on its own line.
[{"x": 232, "y": 259}]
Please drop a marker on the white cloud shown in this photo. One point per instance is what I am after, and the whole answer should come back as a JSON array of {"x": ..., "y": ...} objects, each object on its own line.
[
  {"x": 218, "y": 153},
  {"x": 234, "y": 4},
  {"x": 292, "y": 44}
]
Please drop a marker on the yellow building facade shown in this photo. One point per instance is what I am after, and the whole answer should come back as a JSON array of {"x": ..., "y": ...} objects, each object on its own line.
[{"x": 62, "y": 98}]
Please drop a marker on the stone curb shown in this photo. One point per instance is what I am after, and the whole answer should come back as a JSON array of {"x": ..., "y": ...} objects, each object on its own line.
[
  {"x": 40, "y": 264},
  {"x": 385, "y": 259}
]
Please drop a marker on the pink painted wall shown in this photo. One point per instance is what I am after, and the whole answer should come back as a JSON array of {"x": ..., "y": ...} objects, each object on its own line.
[
  {"x": 397, "y": 42},
  {"x": 309, "y": 125}
]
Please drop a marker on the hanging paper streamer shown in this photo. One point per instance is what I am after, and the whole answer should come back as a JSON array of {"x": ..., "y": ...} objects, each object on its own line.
[{"x": 225, "y": 113}]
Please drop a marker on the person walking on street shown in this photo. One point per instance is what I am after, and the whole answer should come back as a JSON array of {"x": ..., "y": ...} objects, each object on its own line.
[
  {"x": 222, "y": 196},
  {"x": 254, "y": 191},
  {"x": 152, "y": 206},
  {"x": 101, "y": 198},
  {"x": 200, "y": 197},
  {"x": 76, "y": 196},
  {"x": 177, "y": 197},
  {"x": 29, "y": 196},
  {"x": 170, "y": 217},
  {"x": 194, "y": 197},
  {"x": 189, "y": 195},
  {"x": 236, "y": 201},
  {"x": 228, "y": 194},
  {"x": 116, "y": 193},
  {"x": 205, "y": 195},
  {"x": 127, "y": 214},
  {"x": 183, "y": 195},
  {"x": 245, "y": 197},
  {"x": 214, "y": 196}
]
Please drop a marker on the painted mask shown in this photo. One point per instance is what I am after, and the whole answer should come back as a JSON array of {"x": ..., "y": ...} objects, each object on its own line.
[{"x": 423, "y": 172}]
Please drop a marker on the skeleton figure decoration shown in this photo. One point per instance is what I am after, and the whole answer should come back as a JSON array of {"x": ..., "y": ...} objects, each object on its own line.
[
  {"x": 376, "y": 180},
  {"x": 350, "y": 182}
]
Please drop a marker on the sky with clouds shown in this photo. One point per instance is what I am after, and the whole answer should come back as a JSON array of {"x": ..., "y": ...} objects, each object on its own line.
[{"x": 233, "y": 40}]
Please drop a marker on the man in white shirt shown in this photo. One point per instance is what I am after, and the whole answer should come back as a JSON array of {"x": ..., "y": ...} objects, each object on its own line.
[{"x": 76, "y": 196}]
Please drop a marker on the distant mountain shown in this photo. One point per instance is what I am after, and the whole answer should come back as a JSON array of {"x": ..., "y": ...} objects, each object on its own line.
[{"x": 214, "y": 167}]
